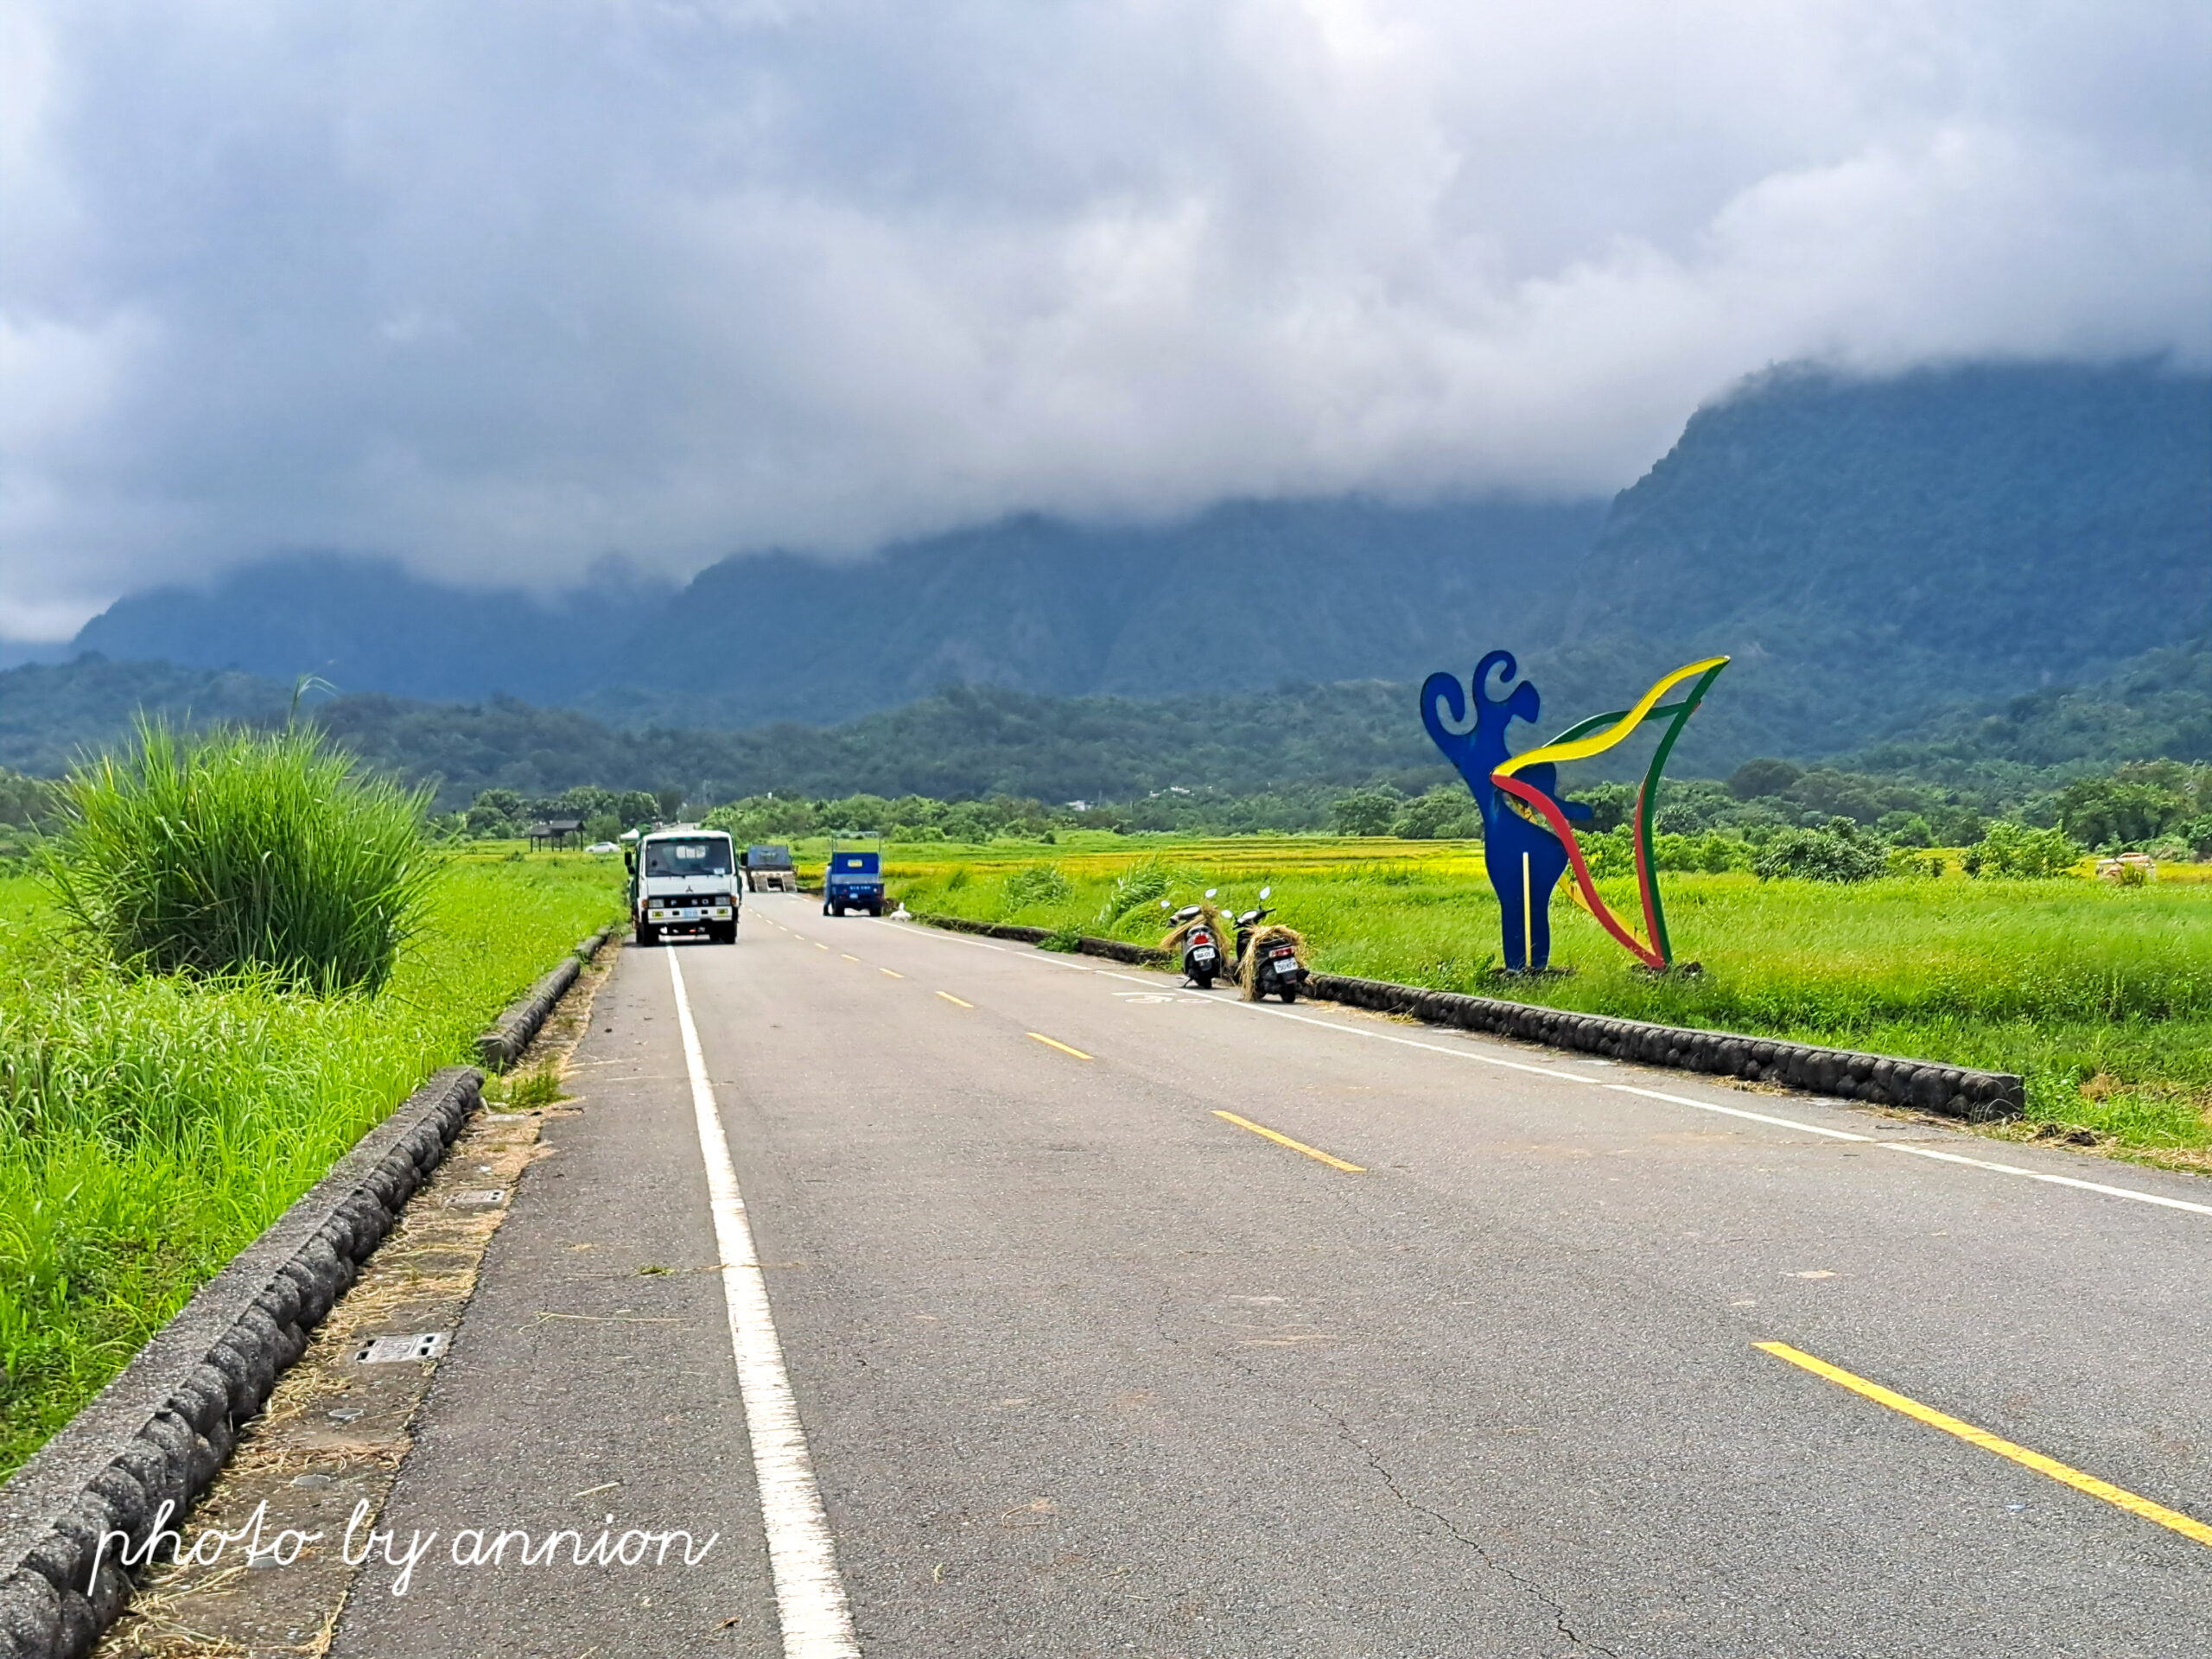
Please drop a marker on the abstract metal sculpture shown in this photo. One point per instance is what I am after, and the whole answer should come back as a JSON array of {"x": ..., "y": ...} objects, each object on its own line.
[{"x": 1528, "y": 840}]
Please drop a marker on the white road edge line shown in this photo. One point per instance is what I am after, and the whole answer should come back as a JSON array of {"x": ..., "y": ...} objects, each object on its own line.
[
  {"x": 2054, "y": 1180},
  {"x": 2137, "y": 1194},
  {"x": 802, "y": 1556}
]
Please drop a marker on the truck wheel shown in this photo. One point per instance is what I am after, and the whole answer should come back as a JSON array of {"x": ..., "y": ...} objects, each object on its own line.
[
  {"x": 725, "y": 933},
  {"x": 825, "y": 906},
  {"x": 876, "y": 909},
  {"x": 648, "y": 934}
]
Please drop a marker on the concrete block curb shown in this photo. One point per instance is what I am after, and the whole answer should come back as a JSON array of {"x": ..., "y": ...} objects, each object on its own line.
[
  {"x": 1114, "y": 949},
  {"x": 1879, "y": 1079},
  {"x": 161, "y": 1430},
  {"x": 503, "y": 1045}
]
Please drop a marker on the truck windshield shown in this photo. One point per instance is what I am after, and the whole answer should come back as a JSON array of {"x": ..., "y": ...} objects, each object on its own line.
[{"x": 687, "y": 857}]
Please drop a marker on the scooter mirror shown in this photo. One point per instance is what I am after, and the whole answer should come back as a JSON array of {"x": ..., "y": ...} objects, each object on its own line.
[{"x": 1264, "y": 892}]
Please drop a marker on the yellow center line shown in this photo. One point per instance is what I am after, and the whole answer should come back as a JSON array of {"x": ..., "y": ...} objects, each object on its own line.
[
  {"x": 849, "y": 957},
  {"x": 2187, "y": 1526},
  {"x": 1295, "y": 1146},
  {"x": 955, "y": 1001},
  {"x": 1063, "y": 1048},
  {"x": 886, "y": 970},
  {"x": 819, "y": 945}
]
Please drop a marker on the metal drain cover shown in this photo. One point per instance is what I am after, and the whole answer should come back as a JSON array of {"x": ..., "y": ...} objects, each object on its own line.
[
  {"x": 477, "y": 1196},
  {"x": 385, "y": 1350}
]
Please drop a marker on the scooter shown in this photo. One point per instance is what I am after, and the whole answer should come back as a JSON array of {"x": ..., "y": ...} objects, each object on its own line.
[
  {"x": 1266, "y": 958},
  {"x": 1194, "y": 932}
]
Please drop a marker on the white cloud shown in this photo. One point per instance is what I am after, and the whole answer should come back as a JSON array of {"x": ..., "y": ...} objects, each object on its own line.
[{"x": 503, "y": 286}]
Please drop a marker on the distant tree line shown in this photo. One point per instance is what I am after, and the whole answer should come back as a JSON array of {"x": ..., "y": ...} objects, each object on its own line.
[
  {"x": 1771, "y": 816},
  {"x": 1780, "y": 818},
  {"x": 503, "y": 814}
]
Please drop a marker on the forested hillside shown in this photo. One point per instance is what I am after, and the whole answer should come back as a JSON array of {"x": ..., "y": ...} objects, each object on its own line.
[
  {"x": 1873, "y": 553},
  {"x": 968, "y": 742},
  {"x": 365, "y": 625},
  {"x": 50, "y": 713},
  {"x": 1245, "y": 597}
]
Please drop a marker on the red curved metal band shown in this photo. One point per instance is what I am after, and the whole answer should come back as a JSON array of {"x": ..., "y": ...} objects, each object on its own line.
[
  {"x": 1544, "y": 804},
  {"x": 1640, "y": 839}
]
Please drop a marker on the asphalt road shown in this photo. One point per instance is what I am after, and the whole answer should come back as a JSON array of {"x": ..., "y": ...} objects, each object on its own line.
[{"x": 1085, "y": 1367}]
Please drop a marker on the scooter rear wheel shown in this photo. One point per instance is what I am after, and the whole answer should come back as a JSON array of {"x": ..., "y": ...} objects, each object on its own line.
[{"x": 1289, "y": 993}]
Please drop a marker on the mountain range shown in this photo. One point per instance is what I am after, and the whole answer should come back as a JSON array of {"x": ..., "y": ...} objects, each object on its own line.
[
  {"x": 972, "y": 742},
  {"x": 1875, "y": 555}
]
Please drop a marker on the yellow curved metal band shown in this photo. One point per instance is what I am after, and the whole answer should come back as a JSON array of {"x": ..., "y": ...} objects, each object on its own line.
[{"x": 1598, "y": 742}]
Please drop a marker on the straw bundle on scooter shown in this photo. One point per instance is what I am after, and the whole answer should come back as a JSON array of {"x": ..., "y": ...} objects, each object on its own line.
[
  {"x": 1255, "y": 946},
  {"x": 1179, "y": 935}
]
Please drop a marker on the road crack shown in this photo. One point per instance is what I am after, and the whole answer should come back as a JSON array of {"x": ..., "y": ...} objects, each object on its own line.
[{"x": 1521, "y": 1581}]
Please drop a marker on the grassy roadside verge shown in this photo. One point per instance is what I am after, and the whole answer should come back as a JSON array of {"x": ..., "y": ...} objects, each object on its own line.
[
  {"x": 2100, "y": 996},
  {"x": 148, "y": 1129}
]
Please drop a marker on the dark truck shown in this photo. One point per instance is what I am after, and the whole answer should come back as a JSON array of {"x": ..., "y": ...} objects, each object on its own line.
[
  {"x": 853, "y": 880},
  {"x": 769, "y": 869}
]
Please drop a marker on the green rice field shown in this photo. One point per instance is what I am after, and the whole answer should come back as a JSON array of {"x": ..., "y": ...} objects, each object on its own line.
[
  {"x": 151, "y": 1127},
  {"x": 2099, "y": 995}
]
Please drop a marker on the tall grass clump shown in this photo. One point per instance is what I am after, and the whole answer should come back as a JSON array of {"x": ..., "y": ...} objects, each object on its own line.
[
  {"x": 1139, "y": 886},
  {"x": 244, "y": 852}
]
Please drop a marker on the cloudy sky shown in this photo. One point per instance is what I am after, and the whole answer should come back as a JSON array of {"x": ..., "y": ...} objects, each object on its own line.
[{"x": 506, "y": 286}]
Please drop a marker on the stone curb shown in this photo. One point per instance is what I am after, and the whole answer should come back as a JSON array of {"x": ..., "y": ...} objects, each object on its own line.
[
  {"x": 503, "y": 1045},
  {"x": 160, "y": 1431},
  {"x": 1114, "y": 950},
  {"x": 1878, "y": 1079}
]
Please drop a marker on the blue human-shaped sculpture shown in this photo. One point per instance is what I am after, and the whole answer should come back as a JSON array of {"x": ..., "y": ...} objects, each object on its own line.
[{"x": 1525, "y": 859}]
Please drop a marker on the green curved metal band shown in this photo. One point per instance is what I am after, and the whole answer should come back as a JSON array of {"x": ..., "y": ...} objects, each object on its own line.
[
  {"x": 1584, "y": 727},
  {"x": 1655, "y": 913}
]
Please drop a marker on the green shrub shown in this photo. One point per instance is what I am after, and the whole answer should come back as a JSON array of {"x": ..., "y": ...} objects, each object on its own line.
[
  {"x": 1838, "y": 853},
  {"x": 1447, "y": 811},
  {"x": 243, "y": 852},
  {"x": 2014, "y": 850},
  {"x": 1143, "y": 883},
  {"x": 1609, "y": 852},
  {"x": 1612, "y": 852},
  {"x": 1366, "y": 812},
  {"x": 1711, "y": 853},
  {"x": 1037, "y": 884}
]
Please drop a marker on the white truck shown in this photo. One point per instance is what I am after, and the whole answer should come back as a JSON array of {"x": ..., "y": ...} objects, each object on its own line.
[{"x": 683, "y": 879}]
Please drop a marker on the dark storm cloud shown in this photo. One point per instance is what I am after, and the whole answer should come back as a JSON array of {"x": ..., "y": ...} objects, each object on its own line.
[{"x": 503, "y": 287}]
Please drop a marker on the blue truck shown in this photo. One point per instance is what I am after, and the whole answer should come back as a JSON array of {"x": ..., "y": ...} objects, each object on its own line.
[{"x": 853, "y": 880}]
